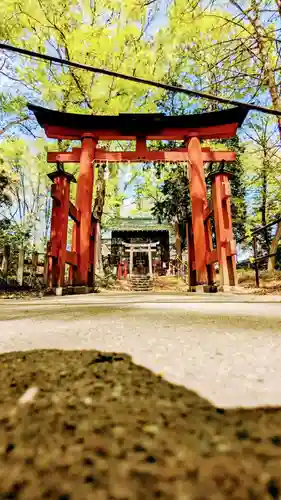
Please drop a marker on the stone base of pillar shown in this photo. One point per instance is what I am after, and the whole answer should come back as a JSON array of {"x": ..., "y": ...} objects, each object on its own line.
[
  {"x": 79, "y": 290},
  {"x": 70, "y": 290},
  {"x": 196, "y": 289},
  {"x": 226, "y": 288},
  {"x": 203, "y": 289},
  {"x": 210, "y": 288}
]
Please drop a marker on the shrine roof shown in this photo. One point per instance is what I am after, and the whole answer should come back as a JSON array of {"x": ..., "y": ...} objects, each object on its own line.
[
  {"x": 137, "y": 224},
  {"x": 58, "y": 124}
]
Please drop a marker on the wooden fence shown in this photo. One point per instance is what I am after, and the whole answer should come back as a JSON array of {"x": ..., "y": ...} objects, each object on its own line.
[{"x": 23, "y": 267}]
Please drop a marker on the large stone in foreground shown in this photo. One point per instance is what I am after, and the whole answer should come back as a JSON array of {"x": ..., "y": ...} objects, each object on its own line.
[{"x": 98, "y": 426}]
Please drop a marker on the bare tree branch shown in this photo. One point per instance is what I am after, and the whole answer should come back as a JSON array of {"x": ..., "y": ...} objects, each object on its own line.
[{"x": 13, "y": 123}]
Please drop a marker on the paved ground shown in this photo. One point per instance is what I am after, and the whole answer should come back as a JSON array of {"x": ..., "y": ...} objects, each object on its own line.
[{"x": 226, "y": 348}]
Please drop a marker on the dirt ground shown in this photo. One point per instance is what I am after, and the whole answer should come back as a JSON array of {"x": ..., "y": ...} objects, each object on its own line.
[
  {"x": 269, "y": 283},
  {"x": 101, "y": 427}
]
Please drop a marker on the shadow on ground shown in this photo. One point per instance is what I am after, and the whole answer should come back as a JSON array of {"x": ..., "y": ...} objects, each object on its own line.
[{"x": 101, "y": 427}]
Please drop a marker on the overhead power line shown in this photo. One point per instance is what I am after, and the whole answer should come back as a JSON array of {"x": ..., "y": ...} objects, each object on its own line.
[{"x": 144, "y": 81}]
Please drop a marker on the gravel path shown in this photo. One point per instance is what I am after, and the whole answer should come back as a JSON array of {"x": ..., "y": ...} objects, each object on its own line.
[{"x": 226, "y": 348}]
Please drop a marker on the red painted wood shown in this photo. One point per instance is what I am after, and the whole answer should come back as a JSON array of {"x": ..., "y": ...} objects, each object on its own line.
[
  {"x": 230, "y": 243},
  {"x": 226, "y": 193},
  {"x": 59, "y": 223},
  {"x": 53, "y": 244},
  {"x": 50, "y": 272},
  {"x": 231, "y": 248},
  {"x": 207, "y": 213},
  {"x": 212, "y": 256},
  {"x": 67, "y": 157},
  {"x": 71, "y": 258},
  {"x": 224, "y": 234},
  {"x": 199, "y": 203},
  {"x": 73, "y": 156},
  {"x": 214, "y": 132},
  {"x": 192, "y": 278},
  {"x": 140, "y": 155},
  {"x": 65, "y": 191},
  {"x": 75, "y": 248},
  {"x": 211, "y": 274},
  {"x": 92, "y": 243},
  {"x": 219, "y": 224},
  {"x": 74, "y": 213},
  {"x": 56, "y": 193},
  {"x": 94, "y": 229},
  {"x": 50, "y": 262},
  {"x": 219, "y": 156},
  {"x": 119, "y": 271},
  {"x": 54, "y": 248},
  {"x": 125, "y": 273},
  {"x": 201, "y": 249},
  {"x": 84, "y": 204}
]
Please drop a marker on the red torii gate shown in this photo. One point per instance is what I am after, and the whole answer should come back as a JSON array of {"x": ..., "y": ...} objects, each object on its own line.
[{"x": 89, "y": 129}]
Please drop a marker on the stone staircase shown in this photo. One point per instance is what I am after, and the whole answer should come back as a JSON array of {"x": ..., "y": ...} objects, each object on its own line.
[{"x": 141, "y": 283}]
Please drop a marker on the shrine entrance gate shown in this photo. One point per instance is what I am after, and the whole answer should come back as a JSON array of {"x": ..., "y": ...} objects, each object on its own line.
[{"x": 190, "y": 129}]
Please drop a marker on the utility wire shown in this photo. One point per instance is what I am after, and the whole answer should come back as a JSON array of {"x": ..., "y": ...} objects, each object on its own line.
[{"x": 144, "y": 81}]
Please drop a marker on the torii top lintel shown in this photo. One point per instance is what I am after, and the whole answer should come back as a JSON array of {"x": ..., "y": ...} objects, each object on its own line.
[{"x": 214, "y": 125}]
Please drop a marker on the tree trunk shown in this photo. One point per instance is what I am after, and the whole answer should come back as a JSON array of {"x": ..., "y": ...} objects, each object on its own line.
[
  {"x": 178, "y": 247},
  {"x": 264, "y": 201},
  {"x": 5, "y": 261},
  {"x": 264, "y": 196},
  {"x": 268, "y": 68},
  {"x": 98, "y": 211},
  {"x": 97, "y": 252},
  {"x": 278, "y": 3},
  {"x": 273, "y": 249}
]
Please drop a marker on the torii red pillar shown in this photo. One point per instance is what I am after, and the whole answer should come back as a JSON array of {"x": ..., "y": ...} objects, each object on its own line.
[
  {"x": 84, "y": 195},
  {"x": 198, "y": 196},
  {"x": 59, "y": 223},
  {"x": 226, "y": 247},
  {"x": 192, "y": 278}
]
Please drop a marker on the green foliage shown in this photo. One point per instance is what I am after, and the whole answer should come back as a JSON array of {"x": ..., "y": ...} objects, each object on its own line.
[
  {"x": 262, "y": 160},
  {"x": 16, "y": 235},
  {"x": 13, "y": 115},
  {"x": 5, "y": 182},
  {"x": 29, "y": 207},
  {"x": 222, "y": 49},
  {"x": 173, "y": 203},
  {"x": 5, "y": 202},
  {"x": 230, "y": 49},
  {"x": 113, "y": 34},
  {"x": 113, "y": 197},
  {"x": 237, "y": 181},
  {"x": 104, "y": 34}
]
